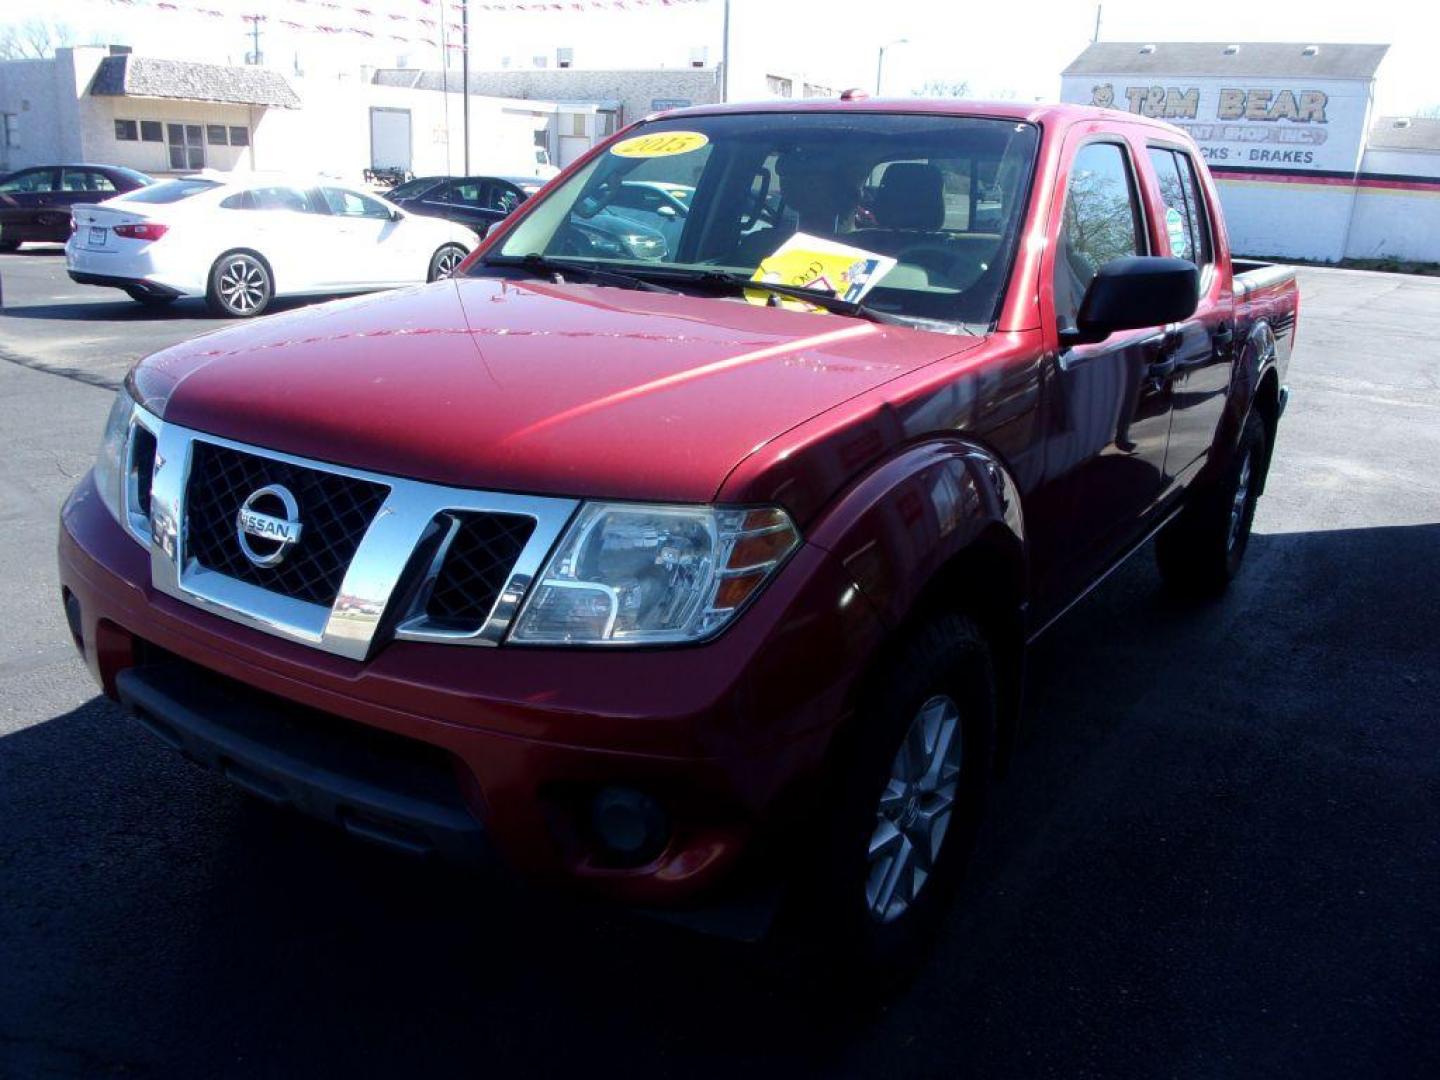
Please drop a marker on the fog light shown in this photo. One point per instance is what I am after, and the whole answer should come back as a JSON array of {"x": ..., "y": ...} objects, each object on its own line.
[
  {"x": 72, "y": 616},
  {"x": 628, "y": 824}
]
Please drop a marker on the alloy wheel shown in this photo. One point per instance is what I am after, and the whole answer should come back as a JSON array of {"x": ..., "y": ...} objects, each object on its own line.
[
  {"x": 915, "y": 809},
  {"x": 242, "y": 285},
  {"x": 1238, "y": 503},
  {"x": 446, "y": 262}
]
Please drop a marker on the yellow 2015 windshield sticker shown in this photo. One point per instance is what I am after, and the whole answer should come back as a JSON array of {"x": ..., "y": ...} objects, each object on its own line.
[{"x": 661, "y": 144}]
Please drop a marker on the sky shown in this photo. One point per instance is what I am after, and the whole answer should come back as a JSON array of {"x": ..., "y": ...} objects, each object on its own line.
[{"x": 1007, "y": 50}]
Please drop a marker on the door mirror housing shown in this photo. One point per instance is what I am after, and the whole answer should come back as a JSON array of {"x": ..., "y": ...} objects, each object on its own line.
[{"x": 1135, "y": 292}]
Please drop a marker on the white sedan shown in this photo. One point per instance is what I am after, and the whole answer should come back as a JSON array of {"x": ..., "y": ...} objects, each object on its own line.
[{"x": 242, "y": 241}]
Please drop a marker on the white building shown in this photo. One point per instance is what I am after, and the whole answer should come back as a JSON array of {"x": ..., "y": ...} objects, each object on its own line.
[
  {"x": 163, "y": 117},
  {"x": 1284, "y": 128}
]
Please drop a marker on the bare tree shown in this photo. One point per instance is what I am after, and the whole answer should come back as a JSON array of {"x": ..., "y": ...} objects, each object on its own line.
[
  {"x": 34, "y": 39},
  {"x": 953, "y": 88}
]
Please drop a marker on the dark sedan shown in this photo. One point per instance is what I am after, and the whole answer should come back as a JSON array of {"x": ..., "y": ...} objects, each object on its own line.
[
  {"x": 35, "y": 202},
  {"x": 476, "y": 201}
]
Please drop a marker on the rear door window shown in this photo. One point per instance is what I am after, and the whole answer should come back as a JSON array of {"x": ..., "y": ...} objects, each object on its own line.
[
  {"x": 273, "y": 198},
  {"x": 86, "y": 180},
  {"x": 1101, "y": 222},
  {"x": 464, "y": 193},
  {"x": 1185, "y": 221}
]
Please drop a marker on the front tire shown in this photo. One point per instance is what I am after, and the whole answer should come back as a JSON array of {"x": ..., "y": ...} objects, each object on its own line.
[
  {"x": 240, "y": 285},
  {"x": 906, "y": 796},
  {"x": 1200, "y": 552},
  {"x": 445, "y": 260}
]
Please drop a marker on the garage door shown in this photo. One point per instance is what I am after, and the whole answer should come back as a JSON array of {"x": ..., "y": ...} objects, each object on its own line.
[{"x": 390, "y": 139}]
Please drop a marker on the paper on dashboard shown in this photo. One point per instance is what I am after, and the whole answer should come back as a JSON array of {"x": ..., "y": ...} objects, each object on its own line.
[{"x": 812, "y": 262}]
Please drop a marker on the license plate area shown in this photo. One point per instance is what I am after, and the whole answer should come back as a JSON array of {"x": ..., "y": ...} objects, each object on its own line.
[{"x": 98, "y": 235}]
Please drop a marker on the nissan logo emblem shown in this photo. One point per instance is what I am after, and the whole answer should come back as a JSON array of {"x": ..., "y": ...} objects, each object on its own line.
[{"x": 266, "y": 538}]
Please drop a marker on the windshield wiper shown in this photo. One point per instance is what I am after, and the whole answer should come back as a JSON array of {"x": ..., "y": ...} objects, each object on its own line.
[
  {"x": 828, "y": 301},
  {"x": 556, "y": 269}
]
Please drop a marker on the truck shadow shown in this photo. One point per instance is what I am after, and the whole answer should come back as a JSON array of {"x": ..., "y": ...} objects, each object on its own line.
[{"x": 1191, "y": 783}]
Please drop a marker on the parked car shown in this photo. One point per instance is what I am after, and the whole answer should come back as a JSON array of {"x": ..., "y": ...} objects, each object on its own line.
[
  {"x": 240, "y": 242},
  {"x": 35, "y": 203},
  {"x": 699, "y": 592},
  {"x": 475, "y": 201}
]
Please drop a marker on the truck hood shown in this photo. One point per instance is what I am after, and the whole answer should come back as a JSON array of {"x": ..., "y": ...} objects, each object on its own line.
[{"x": 530, "y": 386}]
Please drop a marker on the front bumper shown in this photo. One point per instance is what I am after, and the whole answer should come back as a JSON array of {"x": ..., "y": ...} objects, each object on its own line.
[{"x": 730, "y": 737}]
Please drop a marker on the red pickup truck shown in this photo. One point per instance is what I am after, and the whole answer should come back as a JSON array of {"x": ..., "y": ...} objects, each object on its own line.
[{"x": 685, "y": 549}]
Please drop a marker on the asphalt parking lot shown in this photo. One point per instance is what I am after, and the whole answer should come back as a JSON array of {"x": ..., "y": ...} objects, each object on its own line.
[{"x": 1217, "y": 853}]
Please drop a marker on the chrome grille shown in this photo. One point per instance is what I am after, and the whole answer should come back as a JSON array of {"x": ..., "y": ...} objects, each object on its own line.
[
  {"x": 336, "y": 510},
  {"x": 372, "y": 534},
  {"x": 476, "y": 565}
]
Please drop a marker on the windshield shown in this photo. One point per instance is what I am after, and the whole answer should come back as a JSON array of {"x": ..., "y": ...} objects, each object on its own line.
[{"x": 915, "y": 214}]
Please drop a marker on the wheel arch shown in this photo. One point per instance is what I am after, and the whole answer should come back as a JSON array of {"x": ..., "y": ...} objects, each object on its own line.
[{"x": 939, "y": 528}]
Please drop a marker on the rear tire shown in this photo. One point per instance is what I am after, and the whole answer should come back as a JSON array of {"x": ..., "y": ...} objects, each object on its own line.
[
  {"x": 1200, "y": 552},
  {"x": 240, "y": 285},
  {"x": 909, "y": 782},
  {"x": 445, "y": 260}
]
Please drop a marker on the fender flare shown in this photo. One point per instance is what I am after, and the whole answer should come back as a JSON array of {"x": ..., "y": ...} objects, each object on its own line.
[
  {"x": 1257, "y": 356},
  {"x": 908, "y": 518}
]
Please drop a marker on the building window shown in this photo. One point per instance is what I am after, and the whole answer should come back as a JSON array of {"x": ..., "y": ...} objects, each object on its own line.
[
  {"x": 780, "y": 87},
  {"x": 12, "y": 130},
  {"x": 577, "y": 123},
  {"x": 239, "y": 136},
  {"x": 187, "y": 147},
  {"x": 215, "y": 134},
  {"x": 152, "y": 131},
  {"x": 127, "y": 130},
  {"x": 811, "y": 90}
]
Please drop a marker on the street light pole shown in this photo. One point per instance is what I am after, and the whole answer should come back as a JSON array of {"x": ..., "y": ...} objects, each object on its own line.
[
  {"x": 880, "y": 64},
  {"x": 464, "y": 72}
]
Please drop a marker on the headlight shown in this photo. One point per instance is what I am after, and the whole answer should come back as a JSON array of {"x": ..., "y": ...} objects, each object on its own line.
[
  {"x": 110, "y": 462},
  {"x": 626, "y": 574}
]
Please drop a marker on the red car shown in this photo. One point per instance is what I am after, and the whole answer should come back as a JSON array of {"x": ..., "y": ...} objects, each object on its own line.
[{"x": 702, "y": 583}]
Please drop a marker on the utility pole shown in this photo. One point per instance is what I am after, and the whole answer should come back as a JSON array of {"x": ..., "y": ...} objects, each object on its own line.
[
  {"x": 254, "y": 20},
  {"x": 465, "y": 73},
  {"x": 725, "y": 56},
  {"x": 1099, "y": 8}
]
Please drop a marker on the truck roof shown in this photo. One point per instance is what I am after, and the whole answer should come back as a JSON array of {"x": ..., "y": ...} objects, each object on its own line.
[{"x": 1058, "y": 114}]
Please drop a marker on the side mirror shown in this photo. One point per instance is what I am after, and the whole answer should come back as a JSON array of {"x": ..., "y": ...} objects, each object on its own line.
[
  {"x": 396, "y": 215},
  {"x": 1134, "y": 292}
]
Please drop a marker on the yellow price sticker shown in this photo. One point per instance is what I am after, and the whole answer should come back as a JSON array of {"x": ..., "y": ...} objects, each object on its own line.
[{"x": 663, "y": 144}]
